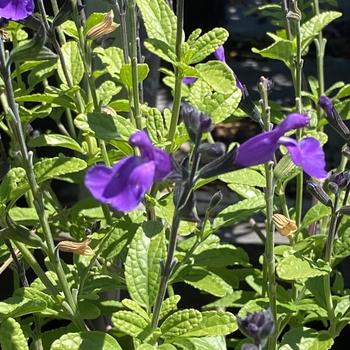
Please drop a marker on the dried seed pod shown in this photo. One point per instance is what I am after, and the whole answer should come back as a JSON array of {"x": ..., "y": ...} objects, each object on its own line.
[
  {"x": 80, "y": 248},
  {"x": 105, "y": 27},
  {"x": 285, "y": 226}
]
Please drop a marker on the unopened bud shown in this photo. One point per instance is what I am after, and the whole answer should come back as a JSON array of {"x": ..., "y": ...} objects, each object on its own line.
[
  {"x": 333, "y": 117},
  {"x": 319, "y": 193},
  {"x": 215, "y": 200},
  {"x": 284, "y": 225},
  {"x": 333, "y": 187},
  {"x": 80, "y": 248},
  {"x": 103, "y": 28},
  {"x": 345, "y": 210}
]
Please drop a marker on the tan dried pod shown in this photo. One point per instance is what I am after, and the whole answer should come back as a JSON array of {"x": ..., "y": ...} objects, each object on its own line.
[
  {"x": 81, "y": 248},
  {"x": 103, "y": 28},
  {"x": 285, "y": 226}
]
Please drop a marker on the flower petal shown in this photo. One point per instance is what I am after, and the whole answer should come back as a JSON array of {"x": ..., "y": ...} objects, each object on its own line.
[
  {"x": 292, "y": 121},
  {"x": 257, "y": 150},
  {"x": 220, "y": 54},
  {"x": 163, "y": 162},
  {"x": 308, "y": 154},
  {"x": 16, "y": 9},
  {"x": 189, "y": 80}
]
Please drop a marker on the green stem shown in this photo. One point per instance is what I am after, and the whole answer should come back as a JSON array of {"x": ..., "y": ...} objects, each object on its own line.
[
  {"x": 178, "y": 74},
  {"x": 27, "y": 163},
  {"x": 269, "y": 259},
  {"x": 133, "y": 53}
]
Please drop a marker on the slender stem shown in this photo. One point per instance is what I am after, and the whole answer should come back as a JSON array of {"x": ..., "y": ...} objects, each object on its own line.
[
  {"x": 133, "y": 53},
  {"x": 269, "y": 259},
  {"x": 178, "y": 74},
  {"x": 27, "y": 163}
]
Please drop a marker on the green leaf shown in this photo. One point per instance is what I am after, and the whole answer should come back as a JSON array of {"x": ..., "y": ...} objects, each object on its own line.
[
  {"x": 214, "y": 323},
  {"x": 207, "y": 44},
  {"x": 295, "y": 267},
  {"x": 155, "y": 125},
  {"x": 218, "y": 76},
  {"x": 133, "y": 306},
  {"x": 169, "y": 305},
  {"x": 55, "y": 140},
  {"x": 207, "y": 281},
  {"x": 314, "y": 214},
  {"x": 103, "y": 125},
  {"x": 310, "y": 29},
  {"x": 86, "y": 341},
  {"x": 306, "y": 339},
  {"x": 246, "y": 176},
  {"x": 17, "y": 307},
  {"x": 129, "y": 322},
  {"x": 15, "y": 182},
  {"x": 281, "y": 49},
  {"x": 57, "y": 100},
  {"x": 161, "y": 49},
  {"x": 159, "y": 19},
  {"x": 74, "y": 64},
  {"x": 180, "y": 322},
  {"x": 92, "y": 20},
  {"x": 142, "y": 267},
  {"x": 239, "y": 211},
  {"x": 112, "y": 58},
  {"x": 11, "y": 336},
  {"x": 106, "y": 91},
  {"x": 218, "y": 106},
  {"x": 205, "y": 343},
  {"x": 126, "y": 74}
]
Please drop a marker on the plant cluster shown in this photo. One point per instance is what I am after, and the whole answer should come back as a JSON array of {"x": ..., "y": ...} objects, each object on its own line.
[{"x": 108, "y": 267}]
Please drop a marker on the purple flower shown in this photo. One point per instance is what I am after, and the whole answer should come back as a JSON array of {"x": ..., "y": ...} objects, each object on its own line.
[
  {"x": 16, "y": 9},
  {"x": 220, "y": 54},
  {"x": 189, "y": 80},
  {"x": 125, "y": 184},
  {"x": 307, "y": 154}
]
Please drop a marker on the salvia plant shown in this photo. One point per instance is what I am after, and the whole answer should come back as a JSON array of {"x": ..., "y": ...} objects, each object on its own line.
[{"x": 108, "y": 270}]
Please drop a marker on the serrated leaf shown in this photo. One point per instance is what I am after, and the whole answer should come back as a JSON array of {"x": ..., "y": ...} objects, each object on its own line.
[
  {"x": 12, "y": 336},
  {"x": 218, "y": 76},
  {"x": 142, "y": 267},
  {"x": 218, "y": 106},
  {"x": 129, "y": 322},
  {"x": 155, "y": 125},
  {"x": 133, "y": 306},
  {"x": 295, "y": 267},
  {"x": 160, "y": 49},
  {"x": 74, "y": 64},
  {"x": 180, "y": 322},
  {"x": 126, "y": 75},
  {"x": 306, "y": 339},
  {"x": 55, "y": 140},
  {"x": 214, "y": 323},
  {"x": 86, "y": 341},
  {"x": 17, "y": 307},
  {"x": 159, "y": 19},
  {"x": 169, "y": 305},
  {"x": 310, "y": 29},
  {"x": 247, "y": 176},
  {"x": 207, "y": 281},
  {"x": 207, "y": 44},
  {"x": 112, "y": 58}
]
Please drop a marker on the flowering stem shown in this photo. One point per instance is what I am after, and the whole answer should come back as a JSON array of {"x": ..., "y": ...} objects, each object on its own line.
[
  {"x": 269, "y": 260},
  {"x": 133, "y": 56},
  {"x": 178, "y": 74},
  {"x": 328, "y": 257},
  {"x": 27, "y": 163}
]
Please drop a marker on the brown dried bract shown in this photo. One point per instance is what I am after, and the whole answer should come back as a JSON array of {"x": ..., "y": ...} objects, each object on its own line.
[
  {"x": 81, "y": 248},
  {"x": 285, "y": 226}
]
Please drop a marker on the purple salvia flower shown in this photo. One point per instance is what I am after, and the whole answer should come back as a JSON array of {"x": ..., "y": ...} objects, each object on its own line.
[
  {"x": 220, "y": 54},
  {"x": 125, "y": 184},
  {"x": 307, "y": 154},
  {"x": 16, "y": 9},
  {"x": 189, "y": 80}
]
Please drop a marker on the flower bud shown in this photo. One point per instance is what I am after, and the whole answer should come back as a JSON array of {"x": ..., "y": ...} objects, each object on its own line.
[
  {"x": 333, "y": 117},
  {"x": 284, "y": 225},
  {"x": 345, "y": 210},
  {"x": 319, "y": 193},
  {"x": 80, "y": 248},
  {"x": 103, "y": 28},
  {"x": 215, "y": 200},
  {"x": 257, "y": 325}
]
